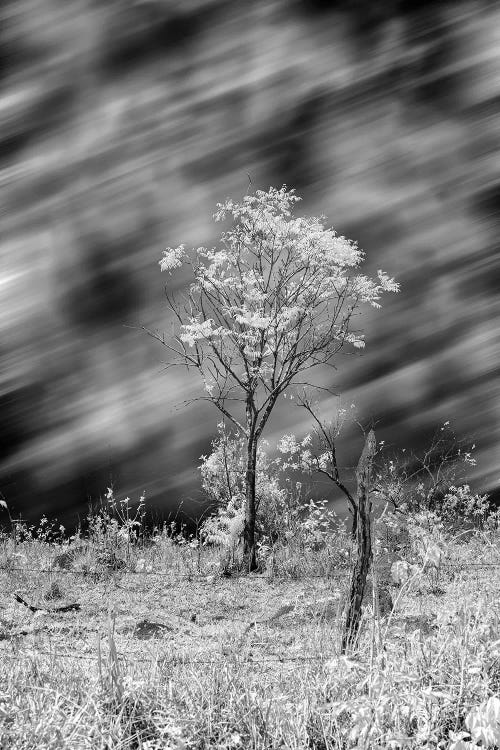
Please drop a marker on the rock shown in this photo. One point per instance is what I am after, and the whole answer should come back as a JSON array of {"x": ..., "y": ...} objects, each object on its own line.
[{"x": 146, "y": 629}]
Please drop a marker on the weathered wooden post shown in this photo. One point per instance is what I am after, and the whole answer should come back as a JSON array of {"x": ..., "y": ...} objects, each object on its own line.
[{"x": 364, "y": 552}]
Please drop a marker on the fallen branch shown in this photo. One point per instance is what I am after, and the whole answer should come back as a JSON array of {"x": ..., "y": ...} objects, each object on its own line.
[{"x": 65, "y": 608}]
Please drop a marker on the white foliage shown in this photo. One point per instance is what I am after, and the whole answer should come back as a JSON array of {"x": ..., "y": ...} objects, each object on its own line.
[
  {"x": 275, "y": 297},
  {"x": 223, "y": 480},
  {"x": 433, "y": 556},
  {"x": 483, "y": 723},
  {"x": 173, "y": 257}
]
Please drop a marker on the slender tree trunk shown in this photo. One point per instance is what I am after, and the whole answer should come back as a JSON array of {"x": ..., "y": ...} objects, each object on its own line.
[
  {"x": 364, "y": 544},
  {"x": 249, "y": 553},
  {"x": 354, "y": 527}
]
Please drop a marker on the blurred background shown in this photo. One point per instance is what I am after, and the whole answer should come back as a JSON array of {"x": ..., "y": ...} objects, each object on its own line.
[{"x": 123, "y": 122}]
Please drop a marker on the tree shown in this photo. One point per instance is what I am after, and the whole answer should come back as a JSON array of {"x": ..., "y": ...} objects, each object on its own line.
[
  {"x": 364, "y": 554},
  {"x": 275, "y": 299}
]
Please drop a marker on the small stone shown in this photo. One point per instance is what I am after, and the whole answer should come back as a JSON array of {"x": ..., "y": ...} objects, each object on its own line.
[{"x": 146, "y": 629}]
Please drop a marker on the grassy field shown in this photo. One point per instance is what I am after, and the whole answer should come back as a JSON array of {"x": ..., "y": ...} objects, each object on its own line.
[{"x": 161, "y": 650}]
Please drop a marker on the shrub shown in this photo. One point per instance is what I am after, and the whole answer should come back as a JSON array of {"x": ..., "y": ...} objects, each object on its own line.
[
  {"x": 434, "y": 481},
  {"x": 289, "y": 522},
  {"x": 223, "y": 481}
]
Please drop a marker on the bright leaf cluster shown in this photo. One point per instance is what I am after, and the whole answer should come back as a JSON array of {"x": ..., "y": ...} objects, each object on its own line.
[{"x": 273, "y": 300}]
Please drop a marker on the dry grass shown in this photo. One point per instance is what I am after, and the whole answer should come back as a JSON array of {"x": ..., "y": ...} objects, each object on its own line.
[{"x": 167, "y": 653}]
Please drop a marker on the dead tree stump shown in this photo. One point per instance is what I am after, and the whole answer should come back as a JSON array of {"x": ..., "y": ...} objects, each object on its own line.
[{"x": 364, "y": 543}]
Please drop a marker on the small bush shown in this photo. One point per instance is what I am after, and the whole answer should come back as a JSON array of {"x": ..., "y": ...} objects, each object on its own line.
[
  {"x": 435, "y": 481},
  {"x": 223, "y": 480}
]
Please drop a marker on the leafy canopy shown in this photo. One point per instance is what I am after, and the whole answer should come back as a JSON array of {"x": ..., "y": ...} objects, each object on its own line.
[{"x": 275, "y": 299}]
